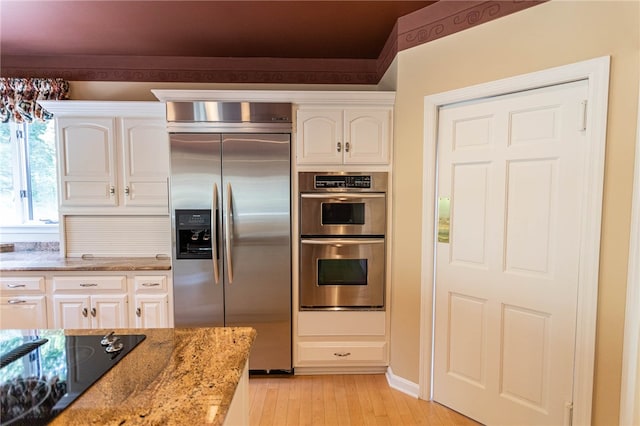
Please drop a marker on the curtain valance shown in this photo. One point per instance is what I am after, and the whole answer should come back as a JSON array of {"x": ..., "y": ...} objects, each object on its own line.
[{"x": 19, "y": 96}]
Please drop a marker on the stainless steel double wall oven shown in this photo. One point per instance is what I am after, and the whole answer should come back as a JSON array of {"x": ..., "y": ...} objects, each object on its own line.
[{"x": 342, "y": 240}]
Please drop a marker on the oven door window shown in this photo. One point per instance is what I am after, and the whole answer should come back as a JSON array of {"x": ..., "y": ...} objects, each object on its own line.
[
  {"x": 342, "y": 271},
  {"x": 343, "y": 213}
]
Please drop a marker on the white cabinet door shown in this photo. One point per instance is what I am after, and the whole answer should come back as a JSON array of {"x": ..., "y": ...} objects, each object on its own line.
[
  {"x": 23, "y": 312},
  {"x": 109, "y": 311},
  {"x": 343, "y": 135},
  {"x": 319, "y": 138},
  {"x": 145, "y": 162},
  {"x": 152, "y": 310},
  {"x": 96, "y": 311},
  {"x": 86, "y": 156},
  {"x": 367, "y": 136},
  {"x": 71, "y": 311}
]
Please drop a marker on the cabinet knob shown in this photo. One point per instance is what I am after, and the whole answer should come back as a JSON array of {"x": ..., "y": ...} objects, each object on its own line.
[
  {"x": 126, "y": 190},
  {"x": 85, "y": 312},
  {"x": 342, "y": 354},
  {"x": 346, "y": 147},
  {"x": 112, "y": 190},
  {"x": 139, "y": 312},
  {"x": 93, "y": 312},
  {"x": 339, "y": 147}
]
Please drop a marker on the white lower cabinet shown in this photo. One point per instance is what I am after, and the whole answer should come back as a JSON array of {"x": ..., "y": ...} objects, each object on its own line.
[
  {"x": 341, "y": 341},
  {"x": 86, "y": 299},
  {"x": 90, "y": 301},
  {"x": 152, "y": 310},
  {"x": 23, "y": 312},
  {"x": 96, "y": 311},
  {"x": 151, "y": 301},
  {"x": 23, "y": 301}
]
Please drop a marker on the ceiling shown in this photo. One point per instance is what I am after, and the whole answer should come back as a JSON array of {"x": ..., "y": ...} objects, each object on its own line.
[{"x": 215, "y": 41}]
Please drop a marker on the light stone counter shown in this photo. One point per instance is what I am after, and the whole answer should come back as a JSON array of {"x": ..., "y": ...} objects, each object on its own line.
[
  {"x": 53, "y": 261},
  {"x": 176, "y": 376}
]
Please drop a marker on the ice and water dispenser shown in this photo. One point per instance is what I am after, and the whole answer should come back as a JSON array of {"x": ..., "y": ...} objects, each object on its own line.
[{"x": 193, "y": 234}]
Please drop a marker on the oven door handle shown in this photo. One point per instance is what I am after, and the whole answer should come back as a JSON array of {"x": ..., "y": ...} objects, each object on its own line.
[
  {"x": 342, "y": 241},
  {"x": 349, "y": 195}
]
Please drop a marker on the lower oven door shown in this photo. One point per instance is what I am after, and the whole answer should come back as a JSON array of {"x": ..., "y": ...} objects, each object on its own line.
[{"x": 342, "y": 273}]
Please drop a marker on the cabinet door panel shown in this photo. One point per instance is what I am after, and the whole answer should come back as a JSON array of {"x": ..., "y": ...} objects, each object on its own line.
[
  {"x": 318, "y": 135},
  {"x": 152, "y": 311},
  {"x": 23, "y": 312},
  {"x": 368, "y": 136},
  {"x": 145, "y": 162},
  {"x": 109, "y": 311},
  {"x": 87, "y": 161},
  {"x": 71, "y": 311}
]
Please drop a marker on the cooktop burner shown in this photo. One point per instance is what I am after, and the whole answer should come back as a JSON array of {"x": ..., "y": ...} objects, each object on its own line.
[{"x": 43, "y": 371}]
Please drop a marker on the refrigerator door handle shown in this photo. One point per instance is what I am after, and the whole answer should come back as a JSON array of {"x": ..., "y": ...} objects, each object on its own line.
[
  {"x": 229, "y": 233},
  {"x": 214, "y": 234}
]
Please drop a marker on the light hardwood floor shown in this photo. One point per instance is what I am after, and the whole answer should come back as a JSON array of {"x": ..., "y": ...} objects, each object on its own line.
[{"x": 361, "y": 399}]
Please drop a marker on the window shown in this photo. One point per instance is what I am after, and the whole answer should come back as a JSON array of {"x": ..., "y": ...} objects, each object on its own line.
[{"x": 28, "y": 183}]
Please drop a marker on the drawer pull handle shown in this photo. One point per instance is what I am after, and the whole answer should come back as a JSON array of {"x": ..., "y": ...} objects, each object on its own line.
[
  {"x": 342, "y": 354},
  {"x": 93, "y": 312},
  {"x": 16, "y": 285},
  {"x": 150, "y": 284},
  {"x": 16, "y": 301},
  {"x": 85, "y": 312},
  {"x": 88, "y": 285},
  {"x": 139, "y": 312}
]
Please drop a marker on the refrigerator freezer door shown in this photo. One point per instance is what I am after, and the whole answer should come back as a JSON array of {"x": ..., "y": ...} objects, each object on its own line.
[
  {"x": 256, "y": 181},
  {"x": 195, "y": 175}
]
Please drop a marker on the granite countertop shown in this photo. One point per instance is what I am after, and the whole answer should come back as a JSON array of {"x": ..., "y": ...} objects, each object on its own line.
[
  {"x": 182, "y": 376},
  {"x": 54, "y": 261}
]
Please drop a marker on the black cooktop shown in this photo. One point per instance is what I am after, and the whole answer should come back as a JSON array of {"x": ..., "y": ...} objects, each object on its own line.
[{"x": 43, "y": 371}]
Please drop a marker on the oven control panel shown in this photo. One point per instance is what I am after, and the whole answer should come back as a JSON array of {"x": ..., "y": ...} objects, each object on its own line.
[
  {"x": 310, "y": 182},
  {"x": 344, "y": 181}
]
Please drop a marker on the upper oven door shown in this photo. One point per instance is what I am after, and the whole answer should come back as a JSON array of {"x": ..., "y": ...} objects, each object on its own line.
[{"x": 342, "y": 214}]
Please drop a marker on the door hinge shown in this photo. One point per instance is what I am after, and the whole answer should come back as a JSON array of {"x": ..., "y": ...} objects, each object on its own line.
[
  {"x": 568, "y": 413},
  {"x": 19, "y": 134},
  {"x": 23, "y": 193},
  {"x": 582, "y": 116}
]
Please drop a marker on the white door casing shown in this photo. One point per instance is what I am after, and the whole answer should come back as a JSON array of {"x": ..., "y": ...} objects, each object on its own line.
[
  {"x": 596, "y": 72},
  {"x": 506, "y": 280}
]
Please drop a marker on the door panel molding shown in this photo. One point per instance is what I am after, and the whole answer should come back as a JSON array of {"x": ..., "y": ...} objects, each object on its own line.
[{"x": 596, "y": 71}]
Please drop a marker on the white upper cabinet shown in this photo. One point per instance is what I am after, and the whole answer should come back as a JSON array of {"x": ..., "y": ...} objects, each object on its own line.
[
  {"x": 343, "y": 135},
  {"x": 113, "y": 157},
  {"x": 145, "y": 162}
]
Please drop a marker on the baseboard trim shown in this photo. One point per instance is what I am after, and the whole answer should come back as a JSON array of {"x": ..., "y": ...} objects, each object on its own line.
[{"x": 403, "y": 385}]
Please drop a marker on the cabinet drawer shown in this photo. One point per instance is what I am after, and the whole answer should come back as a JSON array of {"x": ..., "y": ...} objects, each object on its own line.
[
  {"x": 20, "y": 284},
  {"x": 90, "y": 283},
  {"x": 342, "y": 353},
  {"x": 341, "y": 323},
  {"x": 150, "y": 283}
]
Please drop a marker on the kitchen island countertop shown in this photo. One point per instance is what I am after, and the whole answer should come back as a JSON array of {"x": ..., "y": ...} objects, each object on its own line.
[
  {"x": 54, "y": 261},
  {"x": 174, "y": 377}
]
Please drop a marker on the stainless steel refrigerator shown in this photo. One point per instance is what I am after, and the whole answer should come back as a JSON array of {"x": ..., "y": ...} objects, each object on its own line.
[{"x": 231, "y": 222}]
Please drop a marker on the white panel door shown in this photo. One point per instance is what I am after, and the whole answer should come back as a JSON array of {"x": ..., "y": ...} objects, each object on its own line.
[
  {"x": 71, "y": 311},
  {"x": 152, "y": 311},
  {"x": 109, "y": 311},
  {"x": 367, "y": 136},
  {"x": 319, "y": 136},
  {"x": 23, "y": 312},
  {"x": 510, "y": 173},
  {"x": 87, "y": 161},
  {"x": 145, "y": 162}
]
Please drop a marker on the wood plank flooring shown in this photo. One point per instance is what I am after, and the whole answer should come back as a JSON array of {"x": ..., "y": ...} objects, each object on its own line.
[{"x": 336, "y": 400}]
